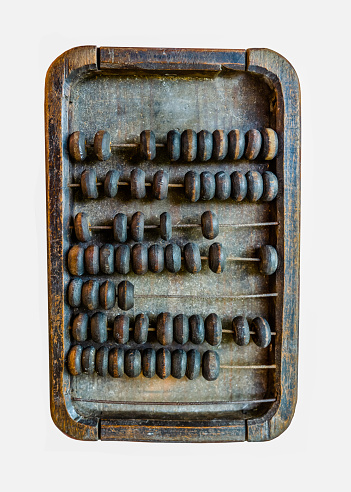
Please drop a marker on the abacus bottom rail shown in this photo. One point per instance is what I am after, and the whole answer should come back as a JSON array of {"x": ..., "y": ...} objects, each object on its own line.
[{"x": 175, "y": 403}]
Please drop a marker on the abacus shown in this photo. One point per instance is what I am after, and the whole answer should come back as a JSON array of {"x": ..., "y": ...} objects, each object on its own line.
[{"x": 173, "y": 200}]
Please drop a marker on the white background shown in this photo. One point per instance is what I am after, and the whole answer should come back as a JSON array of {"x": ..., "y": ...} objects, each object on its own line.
[{"x": 314, "y": 452}]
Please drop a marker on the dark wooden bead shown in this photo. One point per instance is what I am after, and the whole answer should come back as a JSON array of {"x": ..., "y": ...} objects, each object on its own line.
[
  {"x": 163, "y": 363},
  {"x": 141, "y": 328},
  {"x": 210, "y": 365},
  {"x": 148, "y": 145},
  {"x": 270, "y": 144},
  {"x": 253, "y": 141},
  {"x": 132, "y": 363},
  {"x": 173, "y": 258},
  {"x": 91, "y": 259},
  {"x": 88, "y": 360},
  {"x": 122, "y": 259},
  {"x": 189, "y": 145},
  {"x": 116, "y": 362},
  {"x": 137, "y": 183},
  {"x": 82, "y": 227},
  {"x": 111, "y": 183},
  {"x": 254, "y": 185},
  {"x": 193, "y": 364},
  {"x": 101, "y": 361},
  {"x": 209, "y": 225},
  {"x": 204, "y": 145},
  {"x": 192, "y": 186},
  {"x": 239, "y": 186},
  {"x": 192, "y": 257},
  {"x": 164, "y": 328},
  {"x": 125, "y": 295},
  {"x": 216, "y": 258},
  {"x": 270, "y": 186},
  {"x": 77, "y": 146},
  {"x": 166, "y": 226},
  {"x": 207, "y": 185},
  {"x": 220, "y": 145},
  {"x": 149, "y": 362},
  {"x": 120, "y": 228},
  {"x": 121, "y": 329},
  {"x": 75, "y": 260},
  {"x": 139, "y": 259},
  {"x": 236, "y": 144},
  {"x": 213, "y": 329},
  {"x": 108, "y": 295},
  {"x": 241, "y": 331},
  {"x": 88, "y": 182},
  {"x": 74, "y": 360},
  {"x": 262, "y": 336},
  {"x": 80, "y": 327},
  {"x": 269, "y": 259},
  {"x": 181, "y": 329},
  {"x": 197, "y": 329},
  {"x": 90, "y": 294},
  {"x": 102, "y": 145},
  {"x": 156, "y": 258},
  {"x": 173, "y": 145},
  {"x": 137, "y": 227},
  {"x": 107, "y": 263},
  {"x": 178, "y": 366},
  {"x": 74, "y": 293},
  {"x": 98, "y": 327},
  {"x": 223, "y": 185},
  {"x": 160, "y": 184}
]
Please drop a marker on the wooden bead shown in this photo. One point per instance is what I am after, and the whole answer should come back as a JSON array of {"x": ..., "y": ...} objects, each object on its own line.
[
  {"x": 90, "y": 294},
  {"x": 209, "y": 225},
  {"x": 125, "y": 295},
  {"x": 74, "y": 360},
  {"x": 207, "y": 185},
  {"x": 122, "y": 259},
  {"x": 88, "y": 184},
  {"x": 137, "y": 227},
  {"x": 74, "y": 292},
  {"x": 236, "y": 144},
  {"x": 75, "y": 260},
  {"x": 148, "y": 145},
  {"x": 253, "y": 141},
  {"x": 197, "y": 329},
  {"x": 189, "y": 145},
  {"x": 137, "y": 183},
  {"x": 116, "y": 362},
  {"x": 160, "y": 184},
  {"x": 213, "y": 329},
  {"x": 269, "y": 259},
  {"x": 254, "y": 185},
  {"x": 173, "y": 258},
  {"x": 91, "y": 259},
  {"x": 216, "y": 258},
  {"x": 132, "y": 363},
  {"x": 101, "y": 361},
  {"x": 192, "y": 186},
  {"x": 108, "y": 295},
  {"x": 241, "y": 331},
  {"x": 173, "y": 145},
  {"x": 181, "y": 329},
  {"x": 239, "y": 186},
  {"x": 107, "y": 263},
  {"x": 121, "y": 329},
  {"x": 178, "y": 366},
  {"x": 164, "y": 328},
  {"x": 270, "y": 186},
  {"x": 82, "y": 227},
  {"x": 166, "y": 226},
  {"x": 210, "y": 365},
  {"x": 270, "y": 144},
  {"x": 111, "y": 183},
  {"x": 204, "y": 145},
  {"x": 193, "y": 364},
  {"x": 156, "y": 258},
  {"x": 102, "y": 145},
  {"x": 88, "y": 360},
  {"x": 139, "y": 259},
  {"x": 223, "y": 185},
  {"x": 77, "y": 146},
  {"x": 262, "y": 336},
  {"x": 98, "y": 327},
  {"x": 141, "y": 327},
  {"x": 163, "y": 363},
  {"x": 149, "y": 362},
  {"x": 220, "y": 145},
  {"x": 120, "y": 228},
  {"x": 80, "y": 327},
  {"x": 192, "y": 257}
]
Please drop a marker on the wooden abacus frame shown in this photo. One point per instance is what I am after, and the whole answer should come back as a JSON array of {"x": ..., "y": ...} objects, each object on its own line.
[{"x": 63, "y": 74}]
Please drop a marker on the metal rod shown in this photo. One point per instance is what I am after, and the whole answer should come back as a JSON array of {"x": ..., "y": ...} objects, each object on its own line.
[
  {"x": 272, "y": 366},
  {"x": 151, "y": 328},
  {"x": 126, "y": 183},
  {"x": 178, "y": 296},
  {"x": 171, "y": 403},
  {"x": 125, "y": 145}
]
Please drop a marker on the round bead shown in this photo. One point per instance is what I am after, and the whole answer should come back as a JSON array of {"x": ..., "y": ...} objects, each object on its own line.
[
  {"x": 107, "y": 259},
  {"x": 241, "y": 331},
  {"x": 254, "y": 185},
  {"x": 204, "y": 145},
  {"x": 141, "y": 327},
  {"x": 210, "y": 365},
  {"x": 193, "y": 364},
  {"x": 91, "y": 259},
  {"x": 178, "y": 363},
  {"x": 132, "y": 363},
  {"x": 116, "y": 362},
  {"x": 139, "y": 259},
  {"x": 75, "y": 260},
  {"x": 216, "y": 258},
  {"x": 156, "y": 258},
  {"x": 111, "y": 183},
  {"x": 160, "y": 184},
  {"x": 236, "y": 144},
  {"x": 192, "y": 186},
  {"x": 90, "y": 294},
  {"x": 101, "y": 361},
  {"x": 223, "y": 185},
  {"x": 88, "y": 360},
  {"x": 102, "y": 145},
  {"x": 80, "y": 327},
  {"x": 192, "y": 257},
  {"x": 270, "y": 186},
  {"x": 163, "y": 363},
  {"x": 122, "y": 259},
  {"x": 220, "y": 145},
  {"x": 253, "y": 140},
  {"x": 74, "y": 293},
  {"x": 77, "y": 146},
  {"x": 239, "y": 186},
  {"x": 148, "y": 145},
  {"x": 173, "y": 258},
  {"x": 137, "y": 183},
  {"x": 164, "y": 328},
  {"x": 149, "y": 363},
  {"x": 88, "y": 182},
  {"x": 121, "y": 329},
  {"x": 120, "y": 228},
  {"x": 189, "y": 145},
  {"x": 107, "y": 295},
  {"x": 98, "y": 327},
  {"x": 74, "y": 360},
  {"x": 207, "y": 185},
  {"x": 213, "y": 329},
  {"x": 181, "y": 329},
  {"x": 82, "y": 227},
  {"x": 197, "y": 329},
  {"x": 125, "y": 295},
  {"x": 270, "y": 144},
  {"x": 209, "y": 225},
  {"x": 269, "y": 259},
  {"x": 137, "y": 227},
  {"x": 166, "y": 226},
  {"x": 173, "y": 145},
  {"x": 262, "y": 336}
]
